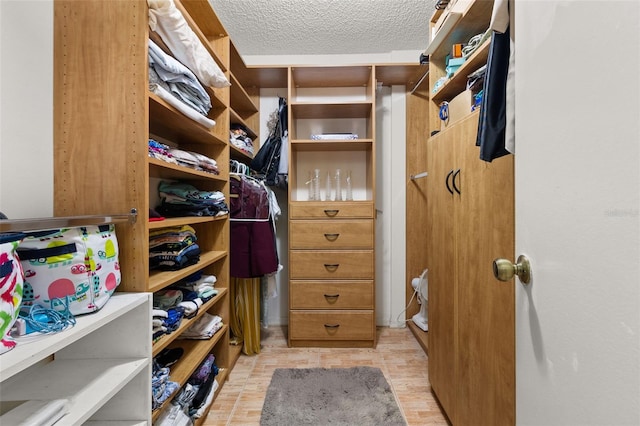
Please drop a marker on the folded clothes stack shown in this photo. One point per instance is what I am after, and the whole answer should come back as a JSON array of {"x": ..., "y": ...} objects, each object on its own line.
[
  {"x": 182, "y": 199},
  {"x": 173, "y": 248}
]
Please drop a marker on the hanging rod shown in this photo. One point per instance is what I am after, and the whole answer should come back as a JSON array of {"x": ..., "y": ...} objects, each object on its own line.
[
  {"x": 420, "y": 81},
  {"x": 419, "y": 175},
  {"x": 43, "y": 224}
]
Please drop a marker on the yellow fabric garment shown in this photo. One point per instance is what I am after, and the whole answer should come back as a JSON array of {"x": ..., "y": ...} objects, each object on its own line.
[{"x": 245, "y": 313}]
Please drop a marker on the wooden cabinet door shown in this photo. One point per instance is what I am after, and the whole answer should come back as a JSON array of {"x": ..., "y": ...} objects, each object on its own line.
[
  {"x": 441, "y": 275},
  {"x": 484, "y": 222}
]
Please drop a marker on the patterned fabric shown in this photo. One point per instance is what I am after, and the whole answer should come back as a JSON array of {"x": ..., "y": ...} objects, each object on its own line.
[
  {"x": 76, "y": 263},
  {"x": 11, "y": 287}
]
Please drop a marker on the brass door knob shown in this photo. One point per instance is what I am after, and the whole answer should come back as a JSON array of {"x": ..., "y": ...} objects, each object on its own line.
[{"x": 504, "y": 270}]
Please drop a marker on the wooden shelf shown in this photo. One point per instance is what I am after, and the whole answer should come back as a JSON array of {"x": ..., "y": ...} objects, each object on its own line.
[
  {"x": 234, "y": 354},
  {"x": 240, "y": 99},
  {"x": 338, "y": 76},
  {"x": 238, "y": 154},
  {"x": 236, "y": 118},
  {"x": 166, "y": 339},
  {"x": 461, "y": 27},
  {"x": 331, "y": 145},
  {"x": 195, "y": 351},
  {"x": 421, "y": 336},
  {"x": 187, "y": 220},
  {"x": 168, "y": 122},
  {"x": 221, "y": 378},
  {"x": 458, "y": 82},
  {"x": 257, "y": 77},
  {"x": 206, "y": 40},
  {"x": 161, "y": 169},
  {"x": 447, "y": 26},
  {"x": 361, "y": 109},
  {"x": 400, "y": 74},
  {"x": 161, "y": 279}
]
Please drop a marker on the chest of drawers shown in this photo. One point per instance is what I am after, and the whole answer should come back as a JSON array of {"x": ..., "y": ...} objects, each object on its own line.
[{"x": 332, "y": 272}]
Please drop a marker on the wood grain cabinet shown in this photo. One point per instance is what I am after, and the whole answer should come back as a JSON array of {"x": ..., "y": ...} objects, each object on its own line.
[
  {"x": 469, "y": 223},
  {"x": 332, "y": 242},
  {"x": 471, "y": 314}
]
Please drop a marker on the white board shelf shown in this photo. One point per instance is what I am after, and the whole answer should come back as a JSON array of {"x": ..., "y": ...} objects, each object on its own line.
[{"x": 105, "y": 374}]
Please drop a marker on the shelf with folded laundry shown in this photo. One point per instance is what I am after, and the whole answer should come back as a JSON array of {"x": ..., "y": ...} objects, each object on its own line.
[
  {"x": 160, "y": 343},
  {"x": 241, "y": 138},
  {"x": 179, "y": 199},
  {"x": 182, "y": 370},
  {"x": 167, "y": 121},
  {"x": 161, "y": 279},
  {"x": 166, "y": 162},
  {"x": 194, "y": 392},
  {"x": 181, "y": 311}
]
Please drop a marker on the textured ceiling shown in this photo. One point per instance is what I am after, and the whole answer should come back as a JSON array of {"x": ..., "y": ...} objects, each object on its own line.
[{"x": 308, "y": 27}]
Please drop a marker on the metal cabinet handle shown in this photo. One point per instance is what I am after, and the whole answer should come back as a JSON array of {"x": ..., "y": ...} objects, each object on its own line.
[
  {"x": 332, "y": 325},
  {"x": 331, "y": 267},
  {"x": 446, "y": 181},
  {"x": 453, "y": 181},
  {"x": 331, "y": 213},
  {"x": 332, "y": 296},
  {"x": 331, "y": 237}
]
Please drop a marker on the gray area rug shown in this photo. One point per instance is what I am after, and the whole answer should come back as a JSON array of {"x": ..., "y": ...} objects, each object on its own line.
[{"x": 330, "y": 396}]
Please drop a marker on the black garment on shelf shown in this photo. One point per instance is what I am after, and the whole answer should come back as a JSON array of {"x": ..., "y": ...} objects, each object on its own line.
[
  {"x": 493, "y": 111},
  {"x": 267, "y": 160}
]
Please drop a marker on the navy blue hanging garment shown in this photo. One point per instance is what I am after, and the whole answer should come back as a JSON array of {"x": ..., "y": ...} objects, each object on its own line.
[{"x": 492, "y": 120}]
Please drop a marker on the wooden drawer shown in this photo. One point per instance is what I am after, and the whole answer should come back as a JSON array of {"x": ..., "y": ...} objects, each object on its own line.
[
  {"x": 331, "y": 234},
  {"x": 329, "y": 210},
  {"x": 331, "y": 325},
  {"x": 331, "y": 295},
  {"x": 330, "y": 264}
]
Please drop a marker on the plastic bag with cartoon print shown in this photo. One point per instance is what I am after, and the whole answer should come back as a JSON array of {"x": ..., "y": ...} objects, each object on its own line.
[{"x": 77, "y": 264}]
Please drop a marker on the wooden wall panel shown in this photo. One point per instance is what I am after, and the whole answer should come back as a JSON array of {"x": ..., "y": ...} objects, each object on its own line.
[{"x": 416, "y": 190}]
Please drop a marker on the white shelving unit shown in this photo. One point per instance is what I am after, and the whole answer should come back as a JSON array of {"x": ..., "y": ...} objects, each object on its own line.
[{"x": 102, "y": 366}]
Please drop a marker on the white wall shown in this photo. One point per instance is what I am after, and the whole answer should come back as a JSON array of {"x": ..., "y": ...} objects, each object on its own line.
[{"x": 26, "y": 108}]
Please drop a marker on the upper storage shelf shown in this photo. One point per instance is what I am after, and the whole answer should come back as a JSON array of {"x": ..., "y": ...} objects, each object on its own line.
[
  {"x": 331, "y": 76},
  {"x": 332, "y": 92},
  {"x": 208, "y": 27},
  {"x": 466, "y": 19},
  {"x": 458, "y": 82}
]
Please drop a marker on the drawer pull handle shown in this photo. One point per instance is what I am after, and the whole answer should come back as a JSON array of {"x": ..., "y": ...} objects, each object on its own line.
[
  {"x": 332, "y": 325},
  {"x": 331, "y": 296},
  {"x": 331, "y": 237},
  {"x": 331, "y": 213},
  {"x": 331, "y": 267}
]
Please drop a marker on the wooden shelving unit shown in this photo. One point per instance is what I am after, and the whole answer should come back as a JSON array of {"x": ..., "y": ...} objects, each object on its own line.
[
  {"x": 102, "y": 128},
  {"x": 331, "y": 242}
]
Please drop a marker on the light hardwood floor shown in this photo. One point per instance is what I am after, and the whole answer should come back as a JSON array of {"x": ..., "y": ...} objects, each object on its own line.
[{"x": 397, "y": 354}]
